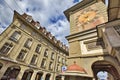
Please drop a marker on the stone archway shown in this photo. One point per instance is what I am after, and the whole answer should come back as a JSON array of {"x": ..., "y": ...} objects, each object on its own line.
[
  {"x": 11, "y": 73},
  {"x": 105, "y": 66}
]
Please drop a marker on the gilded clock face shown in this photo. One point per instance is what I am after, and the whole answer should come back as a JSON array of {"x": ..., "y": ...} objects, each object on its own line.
[{"x": 88, "y": 16}]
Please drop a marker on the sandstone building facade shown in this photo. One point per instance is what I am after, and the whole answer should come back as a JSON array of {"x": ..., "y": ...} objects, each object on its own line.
[{"x": 29, "y": 52}]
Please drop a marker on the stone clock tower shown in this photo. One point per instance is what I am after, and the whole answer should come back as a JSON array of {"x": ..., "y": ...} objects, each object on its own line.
[{"x": 85, "y": 48}]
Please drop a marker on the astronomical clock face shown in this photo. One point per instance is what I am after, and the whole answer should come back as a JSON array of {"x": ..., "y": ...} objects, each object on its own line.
[{"x": 88, "y": 18}]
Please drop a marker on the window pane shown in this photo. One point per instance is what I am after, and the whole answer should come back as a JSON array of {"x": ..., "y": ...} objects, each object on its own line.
[
  {"x": 6, "y": 48},
  {"x": 43, "y": 64},
  {"x": 38, "y": 48},
  {"x": 22, "y": 55},
  {"x": 46, "y": 53},
  {"x": 50, "y": 65},
  {"x": 52, "y": 56},
  {"x": 28, "y": 43},
  {"x": 33, "y": 59},
  {"x": 15, "y": 36}
]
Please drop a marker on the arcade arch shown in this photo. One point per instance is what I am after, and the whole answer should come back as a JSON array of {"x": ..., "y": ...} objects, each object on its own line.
[
  {"x": 11, "y": 73},
  {"x": 105, "y": 66}
]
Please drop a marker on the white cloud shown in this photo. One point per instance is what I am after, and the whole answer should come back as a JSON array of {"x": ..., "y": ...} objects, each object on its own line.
[{"x": 40, "y": 10}]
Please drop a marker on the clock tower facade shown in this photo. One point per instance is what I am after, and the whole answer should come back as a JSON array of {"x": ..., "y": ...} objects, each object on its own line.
[{"x": 85, "y": 48}]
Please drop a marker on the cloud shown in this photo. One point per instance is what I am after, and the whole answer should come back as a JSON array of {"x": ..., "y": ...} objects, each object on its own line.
[{"x": 48, "y": 12}]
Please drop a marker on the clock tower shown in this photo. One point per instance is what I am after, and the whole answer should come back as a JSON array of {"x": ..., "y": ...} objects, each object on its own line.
[
  {"x": 85, "y": 48},
  {"x": 86, "y": 15}
]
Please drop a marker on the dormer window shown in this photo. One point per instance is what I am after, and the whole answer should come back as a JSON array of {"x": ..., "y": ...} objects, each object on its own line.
[
  {"x": 29, "y": 18},
  {"x": 37, "y": 25}
]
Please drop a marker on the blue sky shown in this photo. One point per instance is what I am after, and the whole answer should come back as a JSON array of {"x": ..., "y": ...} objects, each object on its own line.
[{"x": 48, "y": 12}]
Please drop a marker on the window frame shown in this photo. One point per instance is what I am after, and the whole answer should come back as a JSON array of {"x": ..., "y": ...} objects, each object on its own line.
[
  {"x": 33, "y": 62},
  {"x": 24, "y": 52},
  {"x": 46, "y": 53},
  {"x": 38, "y": 48},
  {"x": 43, "y": 63},
  {"x": 28, "y": 43},
  {"x": 4, "y": 48},
  {"x": 15, "y": 36}
]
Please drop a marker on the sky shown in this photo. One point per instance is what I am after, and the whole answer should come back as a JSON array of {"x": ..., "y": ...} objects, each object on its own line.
[{"x": 48, "y": 12}]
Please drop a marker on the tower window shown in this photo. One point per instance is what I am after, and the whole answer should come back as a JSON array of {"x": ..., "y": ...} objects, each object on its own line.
[
  {"x": 38, "y": 48},
  {"x": 15, "y": 36},
  {"x": 22, "y": 55},
  {"x": 34, "y": 59},
  {"x": 28, "y": 43},
  {"x": 6, "y": 48}
]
